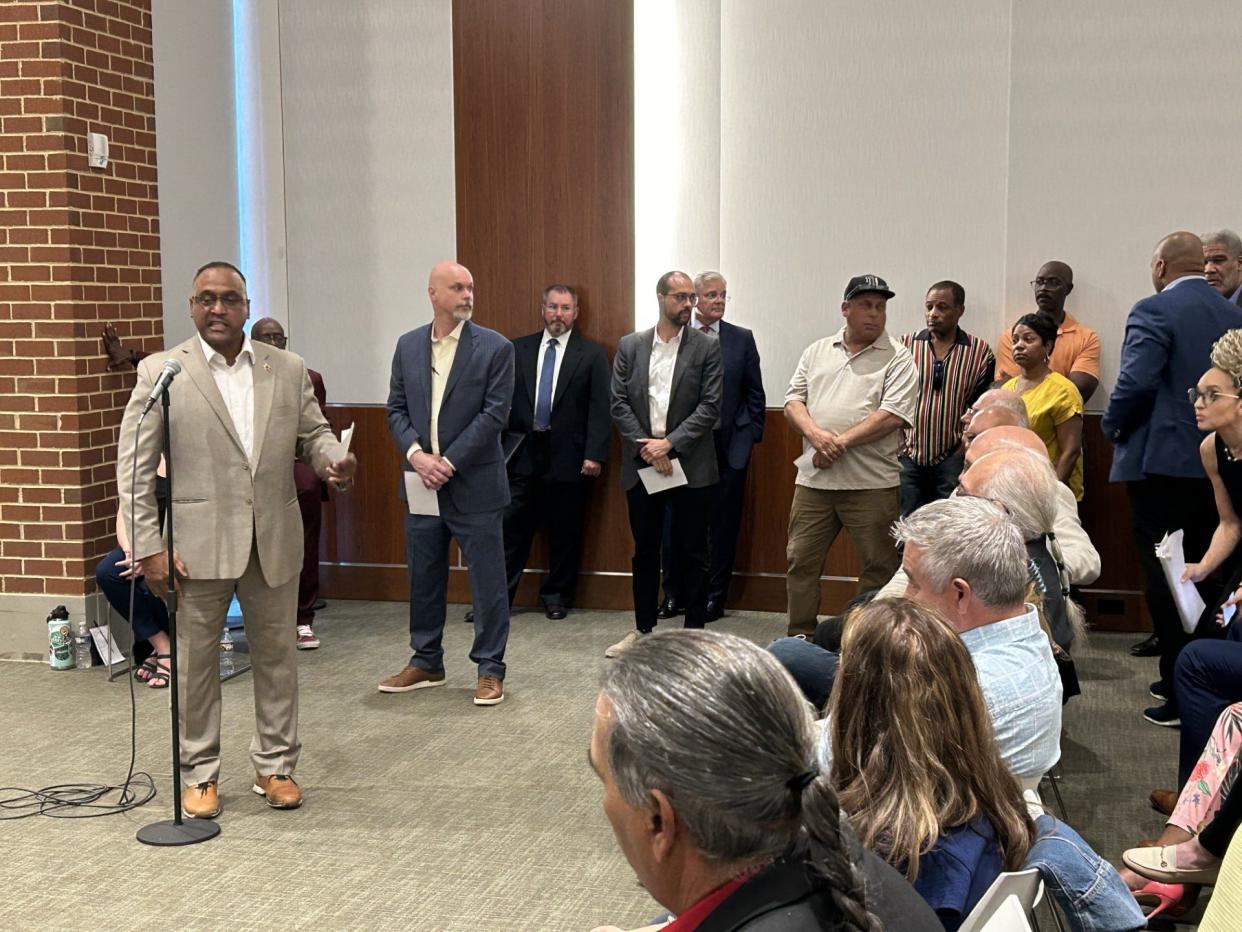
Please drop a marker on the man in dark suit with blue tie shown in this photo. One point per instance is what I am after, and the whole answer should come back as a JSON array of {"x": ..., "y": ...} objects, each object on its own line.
[
  {"x": 1151, "y": 423},
  {"x": 742, "y": 412},
  {"x": 448, "y": 401},
  {"x": 560, "y": 414}
]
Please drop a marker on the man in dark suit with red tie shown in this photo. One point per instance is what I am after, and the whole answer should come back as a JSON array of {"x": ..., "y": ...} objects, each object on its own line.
[
  {"x": 742, "y": 408},
  {"x": 560, "y": 414}
]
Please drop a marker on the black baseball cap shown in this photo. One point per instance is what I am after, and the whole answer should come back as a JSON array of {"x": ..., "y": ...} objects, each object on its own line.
[{"x": 860, "y": 283}]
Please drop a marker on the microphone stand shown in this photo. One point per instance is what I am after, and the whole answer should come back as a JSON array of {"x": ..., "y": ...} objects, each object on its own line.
[{"x": 175, "y": 831}]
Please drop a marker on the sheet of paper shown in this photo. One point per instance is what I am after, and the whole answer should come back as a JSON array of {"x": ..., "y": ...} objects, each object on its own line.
[
  {"x": 347, "y": 437},
  {"x": 422, "y": 500},
  {"x": 653, "y": 482},
  {"x": 1226, "y": 614},
  {"x": 804, "y": 463},
  {"x": 105, "y": 644},
  {"x": 1172, "y": 558}
]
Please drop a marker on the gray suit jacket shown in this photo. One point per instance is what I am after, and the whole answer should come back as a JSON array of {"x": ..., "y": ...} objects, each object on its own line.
[
  {"x": 693, "y": 406},
  {"x": 220, "y": 501},
  {"x": 473, "y": 413}
]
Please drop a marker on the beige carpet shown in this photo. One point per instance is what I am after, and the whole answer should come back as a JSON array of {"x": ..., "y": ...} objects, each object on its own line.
[{"x": 422, "y": 811}]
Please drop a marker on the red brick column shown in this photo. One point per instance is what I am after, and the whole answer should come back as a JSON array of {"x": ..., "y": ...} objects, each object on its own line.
[{"x": 79, "y": 246}]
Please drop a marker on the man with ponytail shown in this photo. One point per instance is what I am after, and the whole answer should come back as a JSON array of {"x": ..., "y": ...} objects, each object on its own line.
[{"x": 706, "y": 750}]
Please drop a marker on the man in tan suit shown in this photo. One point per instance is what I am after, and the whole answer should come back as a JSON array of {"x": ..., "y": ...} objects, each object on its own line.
[{"x": 240, "y": 413}]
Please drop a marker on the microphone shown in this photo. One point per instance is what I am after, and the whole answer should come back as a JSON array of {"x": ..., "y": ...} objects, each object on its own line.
[{"x": 170, "y": 370}]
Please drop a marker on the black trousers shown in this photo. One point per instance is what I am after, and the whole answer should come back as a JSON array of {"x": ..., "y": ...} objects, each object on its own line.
[
  {"x": 1158, "y": 505},
  {"x": 536, "y": 501},
  {"x": 687, "y": 510},
  {"x": 724, "y": 523}
]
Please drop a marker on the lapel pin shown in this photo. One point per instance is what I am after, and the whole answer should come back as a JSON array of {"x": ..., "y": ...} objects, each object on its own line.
[{"x": 267, "y": 367}]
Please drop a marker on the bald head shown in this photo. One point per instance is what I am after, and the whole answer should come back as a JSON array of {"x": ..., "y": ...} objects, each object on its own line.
[
  {"x": 1005, "y": 437},
  {"x": 451, "y": 289},
  {"x": 1178, "y": 254},
  {"x": 989, "y": 419},
  {"x": 1053, "y": 283},
  {"x": 268, "y": 330},
  {"x": 1020, "y": 479}
]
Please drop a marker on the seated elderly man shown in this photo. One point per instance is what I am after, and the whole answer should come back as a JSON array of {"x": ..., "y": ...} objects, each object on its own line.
[
  {"x": 997, "y": 398},
  {"x": 707, "y": 754},
  {"x": 965, "y": 557},
  {"x": 988, "y": 418}
]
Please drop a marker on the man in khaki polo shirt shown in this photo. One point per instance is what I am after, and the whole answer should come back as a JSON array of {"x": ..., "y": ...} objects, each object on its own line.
[{"x": 850, "y": 398}]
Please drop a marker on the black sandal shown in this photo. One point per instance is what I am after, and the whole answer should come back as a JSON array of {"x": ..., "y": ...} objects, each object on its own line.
[
  {"x": 161, "y": 675},
  {"x": 151, "y": 667}
]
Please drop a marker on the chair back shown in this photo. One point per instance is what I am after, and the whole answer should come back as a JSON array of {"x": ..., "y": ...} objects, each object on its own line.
[
  {"x": 1009, "y": 917},
  {"x": 1025, "y": 886}
]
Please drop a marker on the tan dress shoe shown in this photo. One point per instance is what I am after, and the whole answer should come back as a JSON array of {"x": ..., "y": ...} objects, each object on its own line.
[
  {"x": 201, "y": 801},
  {"x": 1163, "y": 801},
  {"x": 411, "y": 678},
  {"x": 280, "y": 790},
  {"x": 490, "y": 691},
  {"x": 616, "y": 650}
]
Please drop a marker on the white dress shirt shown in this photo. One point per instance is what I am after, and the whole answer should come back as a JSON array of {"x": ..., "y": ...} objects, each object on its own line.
[
  {"x": 561, "y": 342},
  {"x": 236, "y": 384},
  {"x": 660, "y": 380}
]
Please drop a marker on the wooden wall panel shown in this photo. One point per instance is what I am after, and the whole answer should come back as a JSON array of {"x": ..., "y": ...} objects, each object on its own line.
[{"x": 364, "y": 551}]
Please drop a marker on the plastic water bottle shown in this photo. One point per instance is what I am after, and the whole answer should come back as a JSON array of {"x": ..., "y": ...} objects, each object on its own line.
[
  {"x": 59, "y": 639},
  {"x": 226, "y": 654},
  {"x": 81, "y": 645}
]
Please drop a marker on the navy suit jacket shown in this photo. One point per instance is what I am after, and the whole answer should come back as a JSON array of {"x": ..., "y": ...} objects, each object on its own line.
[
  {"x": 1168, "y": 341},
  {"x": 473, "y": 412},
  {"x": 581, "y": 427},
  {"x": 743, "y": 405}
]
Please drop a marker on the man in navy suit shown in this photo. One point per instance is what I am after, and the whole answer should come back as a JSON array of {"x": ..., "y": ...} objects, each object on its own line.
[
  {"x": 448, "y": 401},
  {"x": 560, "y": 411},
  {"x": 1151, "y": 423},
  {"x": 742, "y": 410}
]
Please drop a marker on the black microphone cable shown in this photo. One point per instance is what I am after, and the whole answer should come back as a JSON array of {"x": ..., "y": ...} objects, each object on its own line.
[{"x": 84, "y": 800}]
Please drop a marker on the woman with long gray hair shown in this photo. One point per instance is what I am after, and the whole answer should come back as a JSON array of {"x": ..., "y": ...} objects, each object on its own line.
[{"x": 707, "y": 752}]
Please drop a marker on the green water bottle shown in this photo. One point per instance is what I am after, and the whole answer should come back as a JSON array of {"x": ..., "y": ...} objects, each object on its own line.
[{"x": 59, "y": 639}]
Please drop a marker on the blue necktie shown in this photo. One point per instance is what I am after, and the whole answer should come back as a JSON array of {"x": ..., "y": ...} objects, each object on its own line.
[{"x": 543, "y": 403}]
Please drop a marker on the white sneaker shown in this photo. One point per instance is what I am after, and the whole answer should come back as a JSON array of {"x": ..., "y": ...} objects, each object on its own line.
[
  {"x": 623, "y": 645},
  {"x": 306, "y": 638}
]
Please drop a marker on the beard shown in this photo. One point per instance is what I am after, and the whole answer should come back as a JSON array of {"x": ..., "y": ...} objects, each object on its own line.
[{"x": 463, "y": 313}]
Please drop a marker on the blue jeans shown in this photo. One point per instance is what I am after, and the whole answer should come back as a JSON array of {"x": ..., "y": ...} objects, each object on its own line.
[
  {"x": 923, "y": 484},
  {"x": 1090, "y": 893},
  {"x": 812, "y": 667},
  {"x": 150, "y": 613}
]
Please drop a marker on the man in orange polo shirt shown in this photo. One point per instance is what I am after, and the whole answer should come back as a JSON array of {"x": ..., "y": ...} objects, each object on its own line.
[{"x": 1077, "y": 352}]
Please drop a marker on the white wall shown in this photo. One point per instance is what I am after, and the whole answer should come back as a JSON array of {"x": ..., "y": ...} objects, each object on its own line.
[
  {"x": 859, "y": 138},
  {"x": 369, "y": 179},
  {"x": 968, "y": 139},
  {"x": 196, "y": 148}
]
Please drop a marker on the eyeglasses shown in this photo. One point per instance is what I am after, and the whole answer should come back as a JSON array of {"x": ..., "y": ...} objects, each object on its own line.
[
  {"x": 1194, "y": 396},
  {"x": 683, "y": 297},
  {"x": 208, "y": 299},
  {"x": 273, "y": 339},
  {"x": 1046, "y": 283},
  {"x": 717, "y": 295}
]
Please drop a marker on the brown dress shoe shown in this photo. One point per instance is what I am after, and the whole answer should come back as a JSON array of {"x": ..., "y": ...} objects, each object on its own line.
[
  {"x": 280, "y": 790},
  {"x": 201, "y": 801},
  {"x": 1163, "y": 801},
  {"x": 411, "y": 678},
  {"x": 490, "y": 691}
]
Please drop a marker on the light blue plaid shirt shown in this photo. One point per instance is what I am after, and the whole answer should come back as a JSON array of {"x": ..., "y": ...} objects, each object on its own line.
[{"x": 1022, "y": 689}]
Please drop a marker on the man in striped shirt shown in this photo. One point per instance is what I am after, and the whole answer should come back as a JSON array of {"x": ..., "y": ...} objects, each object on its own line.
[{"x": 954, "y": 370}]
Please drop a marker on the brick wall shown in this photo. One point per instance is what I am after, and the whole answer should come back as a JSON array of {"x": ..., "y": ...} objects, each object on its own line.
[{"x": 78, "y": 247}]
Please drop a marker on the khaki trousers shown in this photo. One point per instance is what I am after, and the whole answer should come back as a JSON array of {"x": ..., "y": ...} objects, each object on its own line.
[
  {"x": 815, "y": 519},
  {"x": 269, "y": 615}
]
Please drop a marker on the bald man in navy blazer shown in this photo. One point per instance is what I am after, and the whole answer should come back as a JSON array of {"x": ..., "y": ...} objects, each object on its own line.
[
  {"x": 742, "y": 411},
  {"x": 448, "y": 401}
]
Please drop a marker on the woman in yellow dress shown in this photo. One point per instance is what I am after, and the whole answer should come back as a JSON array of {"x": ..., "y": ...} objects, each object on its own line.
[{"x": 1052, "y": 401}]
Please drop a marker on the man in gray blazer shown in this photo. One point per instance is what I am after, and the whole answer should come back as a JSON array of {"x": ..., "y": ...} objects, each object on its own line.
[
  {"x": 665, "y": 400},
  {"x": 448, "y": 401}
]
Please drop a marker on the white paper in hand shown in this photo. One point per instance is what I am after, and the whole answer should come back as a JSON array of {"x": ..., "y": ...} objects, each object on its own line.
[
  {"x": 347, "y": 436},
  {"x": 805, "y": 462},
  {"x": 1172, "y": 558},
  {"x": 653, "y": 482},
  {"x": 422, "y": 500}
]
